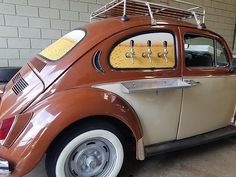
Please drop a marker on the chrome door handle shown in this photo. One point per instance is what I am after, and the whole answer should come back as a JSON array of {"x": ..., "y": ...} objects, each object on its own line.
[{"x": 192, "y": 82}]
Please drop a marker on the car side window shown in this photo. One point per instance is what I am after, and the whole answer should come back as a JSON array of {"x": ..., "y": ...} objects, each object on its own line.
[
  {"x": 221, "y": 57},
  {"x": 199, "y": 51},
  {"x": 145, "y": 51}
]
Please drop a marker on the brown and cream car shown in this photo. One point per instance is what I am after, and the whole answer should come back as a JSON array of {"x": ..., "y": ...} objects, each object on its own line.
[{"x": 152, "y": 83}]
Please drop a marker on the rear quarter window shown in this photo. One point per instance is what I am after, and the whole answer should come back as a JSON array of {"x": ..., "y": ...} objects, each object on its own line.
[
  {"x": 61, "y": 47},
  {"x": 154, "y": 50}
]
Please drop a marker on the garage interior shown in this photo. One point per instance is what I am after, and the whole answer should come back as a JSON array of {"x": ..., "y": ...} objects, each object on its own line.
[{"x": 28, "y": 26}]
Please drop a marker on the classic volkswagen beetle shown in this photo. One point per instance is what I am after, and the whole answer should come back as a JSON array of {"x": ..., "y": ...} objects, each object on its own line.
[{"x": 118, "y": 84}]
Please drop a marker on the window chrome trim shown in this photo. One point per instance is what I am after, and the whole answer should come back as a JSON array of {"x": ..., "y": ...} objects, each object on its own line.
[
  {"x": 215, "y": 40},
  {"x": 225, "y": 53}
]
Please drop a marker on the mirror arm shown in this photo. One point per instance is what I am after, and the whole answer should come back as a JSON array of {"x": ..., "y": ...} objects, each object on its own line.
[{"x": 232, "y": 68}]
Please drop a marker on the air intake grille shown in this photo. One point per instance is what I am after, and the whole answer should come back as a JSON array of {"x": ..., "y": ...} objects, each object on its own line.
[
  {"x": 19, "y": 86},
  {"x": 16, "y": 78},
  {"x": 38, "y": 64}
]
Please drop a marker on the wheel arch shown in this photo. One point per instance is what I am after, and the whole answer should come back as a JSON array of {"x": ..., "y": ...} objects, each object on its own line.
[{"x": 121, "y": 126}]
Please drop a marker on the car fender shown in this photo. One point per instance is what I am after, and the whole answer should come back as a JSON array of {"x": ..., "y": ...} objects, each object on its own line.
[{"x": 52, "y": 115}]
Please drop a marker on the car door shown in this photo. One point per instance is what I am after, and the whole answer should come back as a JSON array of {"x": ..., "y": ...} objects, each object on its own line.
[
  {"x": 210, "y": 102},
  {"x": 151, "y": 85}
]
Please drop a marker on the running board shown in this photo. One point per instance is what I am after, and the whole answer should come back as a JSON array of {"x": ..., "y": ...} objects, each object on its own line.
[{"x": 190, "y": 142}]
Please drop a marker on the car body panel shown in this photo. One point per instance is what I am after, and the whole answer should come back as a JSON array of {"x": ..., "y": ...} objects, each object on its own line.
[
  {"x": 153, "y": 109},
  {"x": 210, "y": 104},
  {"x": 207, "y": 106},
  {"x": 50, "y": 119},
  {"x": 153, "y": 99},
  {"x": 27, "y": 87}
]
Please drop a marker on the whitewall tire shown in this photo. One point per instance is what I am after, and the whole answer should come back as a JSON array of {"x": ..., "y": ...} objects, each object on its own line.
[{"x": 97, "y": 152}]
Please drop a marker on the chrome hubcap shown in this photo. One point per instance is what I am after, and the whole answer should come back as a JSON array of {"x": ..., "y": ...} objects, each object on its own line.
[{"x": 94, "y": 157}]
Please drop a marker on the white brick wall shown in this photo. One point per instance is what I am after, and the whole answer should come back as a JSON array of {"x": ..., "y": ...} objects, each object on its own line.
[
  {"x": 28, "y": 26},
  {"x": 29, "y": 33},
  {"x": 1, "y": 20},
  {"x": 41, "y": 3},
  {"x": 11, "y": 20}
]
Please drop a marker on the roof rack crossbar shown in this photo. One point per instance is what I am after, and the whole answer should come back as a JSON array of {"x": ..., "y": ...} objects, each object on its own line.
[{"x": 154, "y": 10}]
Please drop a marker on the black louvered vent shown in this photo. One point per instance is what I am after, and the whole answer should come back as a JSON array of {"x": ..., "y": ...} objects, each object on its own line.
[
  {"x": 16, "y": 78},
  {"x": 38, "y": 64},
  {"x": 19, "y": 86}
]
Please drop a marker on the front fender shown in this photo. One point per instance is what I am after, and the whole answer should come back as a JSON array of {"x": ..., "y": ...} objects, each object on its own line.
[{"x": 57, "y": 112}]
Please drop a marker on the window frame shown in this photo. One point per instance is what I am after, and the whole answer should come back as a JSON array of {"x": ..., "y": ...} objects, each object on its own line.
[
  {"x": 142, "y": 33},
  {"x": 214, "y": 45},
  {"x": 225, "y": 52},
  {"x": 205, "y": 36}
]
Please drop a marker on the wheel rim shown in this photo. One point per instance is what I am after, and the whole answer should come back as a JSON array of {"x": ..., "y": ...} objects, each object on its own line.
[{"x": 94, "y": 157}]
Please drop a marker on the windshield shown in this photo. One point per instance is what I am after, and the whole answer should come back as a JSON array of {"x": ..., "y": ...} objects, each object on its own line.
[{"x": 61, "y": 47}]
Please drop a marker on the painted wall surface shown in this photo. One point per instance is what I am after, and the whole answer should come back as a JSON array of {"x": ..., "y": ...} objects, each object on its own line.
[{"x": 28, "y": 26}]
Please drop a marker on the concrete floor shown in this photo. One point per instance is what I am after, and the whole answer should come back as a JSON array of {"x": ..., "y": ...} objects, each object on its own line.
[{"x": 216, "y": 159}]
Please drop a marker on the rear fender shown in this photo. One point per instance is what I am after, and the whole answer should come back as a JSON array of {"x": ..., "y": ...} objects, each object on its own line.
[{"x": 59, "y": 111}]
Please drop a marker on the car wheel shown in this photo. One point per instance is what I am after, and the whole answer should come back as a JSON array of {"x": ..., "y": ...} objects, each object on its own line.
[{"x": 90, "y": 152}]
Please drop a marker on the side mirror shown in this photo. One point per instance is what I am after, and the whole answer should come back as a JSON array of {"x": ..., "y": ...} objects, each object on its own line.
[
  {"x": 186, "y": 46},
  {"x": 233, "y": 64}
]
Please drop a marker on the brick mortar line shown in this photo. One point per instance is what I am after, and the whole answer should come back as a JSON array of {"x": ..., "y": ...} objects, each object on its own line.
[
  {"x": 224, "y": 2},
  {"x": 52, "y": 7}
]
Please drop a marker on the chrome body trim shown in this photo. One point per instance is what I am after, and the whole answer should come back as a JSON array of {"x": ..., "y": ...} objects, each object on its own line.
[
  {"x": 4, "y": 167},
  {"x": 152, "y": 84},
  {"x": 140, "y": 149},
  {"x": 192, "y": 82}
]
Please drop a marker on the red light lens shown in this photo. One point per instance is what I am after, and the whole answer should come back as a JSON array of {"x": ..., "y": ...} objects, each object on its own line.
[{"x": 5, "y": 127}]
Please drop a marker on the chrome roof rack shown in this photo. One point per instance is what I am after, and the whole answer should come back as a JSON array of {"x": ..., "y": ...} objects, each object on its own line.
[{"x": 124, "y": 8}]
